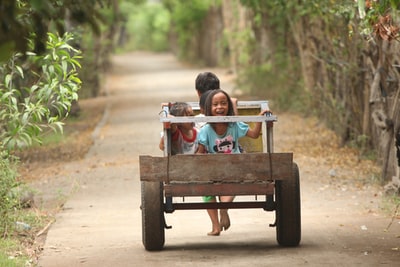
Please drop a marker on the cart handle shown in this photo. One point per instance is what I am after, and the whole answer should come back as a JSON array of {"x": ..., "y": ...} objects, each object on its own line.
[{"x": 216, "y": 119}]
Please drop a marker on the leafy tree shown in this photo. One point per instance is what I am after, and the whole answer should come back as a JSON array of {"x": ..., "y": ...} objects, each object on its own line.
[
  {"x": 7, "y": 200},
  {"x": 37, "y": 94},
  {"x": 347, "y": 53},
  {"x": 187, "y": 19},
  {"x": 20, "y": 18},
  {"x": 147, "y": 26}
]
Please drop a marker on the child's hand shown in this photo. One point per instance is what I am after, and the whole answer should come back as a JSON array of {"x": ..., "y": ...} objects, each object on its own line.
[
  {"x": 234, "y": 100},
  {"x": 174, "y": 126},
  {"x": 235, "y": 104},
  {"x": 265, "y": 112}
]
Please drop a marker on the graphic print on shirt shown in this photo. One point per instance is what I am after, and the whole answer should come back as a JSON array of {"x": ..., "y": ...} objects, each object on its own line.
[{"x": 224, "y": 145}]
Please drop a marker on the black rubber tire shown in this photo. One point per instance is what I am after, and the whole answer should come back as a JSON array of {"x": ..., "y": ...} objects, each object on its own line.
[
  {"x": 288, "y": 214},
  {"x": 153, "y": 226}
]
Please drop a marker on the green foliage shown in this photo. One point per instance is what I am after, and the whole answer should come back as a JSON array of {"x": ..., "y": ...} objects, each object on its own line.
[
  {"x": 187, "y": 17},
  {"x": 270, "y": 72},
  {"x": 328, "y": 45},
  {"x": 19, "y": 18},
  {"x": 36, "y": 92},
  {"x": 8, "y": 201},
  {"x": 280, "y": 84},
  {"x": 23, "y": 225},
  {"x": 371, "y": 14},
  {"x": 147, "y": 25},
  {"x": 361, "y": 143},
  {"x": 39, "y": 97},
  {"x": 7, "y": 258}
]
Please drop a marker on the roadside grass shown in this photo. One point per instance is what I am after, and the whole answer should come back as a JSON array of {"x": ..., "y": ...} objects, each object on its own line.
[
  {"x": 19, "y": 248},
  {"x": 8, "y": 251},
  {"x": 391, "y": 206}
]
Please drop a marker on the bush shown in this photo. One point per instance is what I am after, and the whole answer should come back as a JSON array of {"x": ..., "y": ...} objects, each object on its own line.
[
  {"x": 8, "y": 200},
  {"x": 147, "y": 27},
  {"x": 36, "y": 93},
  {"x": 39, "y": 97}
]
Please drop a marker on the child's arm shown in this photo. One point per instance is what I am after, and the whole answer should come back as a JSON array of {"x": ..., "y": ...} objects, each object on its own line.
[
  {"x": 201, "y": 149},
  {"x": 174, "y": 127},
  {"x": 234, "y": 104},
  {"x": 161, "y": 145},
  {"x": 174, "y": 130},
  {"x": 255, "y": 132}
]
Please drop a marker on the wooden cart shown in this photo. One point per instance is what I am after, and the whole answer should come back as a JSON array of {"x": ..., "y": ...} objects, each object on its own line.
[{"x": 257, "y": 172}]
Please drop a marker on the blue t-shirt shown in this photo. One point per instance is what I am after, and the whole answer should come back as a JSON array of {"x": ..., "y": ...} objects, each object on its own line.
[{"x": 227, "y": 143}]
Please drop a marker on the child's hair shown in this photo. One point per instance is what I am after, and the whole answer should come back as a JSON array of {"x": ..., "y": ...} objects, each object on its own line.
[
  {"x": 206, "y": 81},
  {"x": 208, "y": 104},
  {"x": 179, "y": 109},
  {"x": 203, "y": 98}
]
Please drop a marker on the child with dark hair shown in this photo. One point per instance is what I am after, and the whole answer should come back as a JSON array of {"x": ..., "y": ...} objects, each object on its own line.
[
  {"x": 183, "y": 135},
  {"x": 202, "y": 103},
  {"x": 206, "y": 81},
  {"x": 222, "y": 137}
]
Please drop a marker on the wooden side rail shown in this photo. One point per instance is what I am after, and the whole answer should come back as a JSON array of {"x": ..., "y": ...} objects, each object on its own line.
[{"x": 217, "y": 168}]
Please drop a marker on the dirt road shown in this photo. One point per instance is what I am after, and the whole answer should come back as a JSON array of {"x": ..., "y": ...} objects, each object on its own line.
[{"x": 100, "y": 224}]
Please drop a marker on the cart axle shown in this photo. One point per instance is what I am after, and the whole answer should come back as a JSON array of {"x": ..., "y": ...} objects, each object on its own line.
[{"x": 171, "y": 207}]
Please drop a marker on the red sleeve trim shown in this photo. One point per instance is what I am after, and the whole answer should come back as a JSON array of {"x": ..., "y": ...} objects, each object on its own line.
[{"x": 190, "y": 140}]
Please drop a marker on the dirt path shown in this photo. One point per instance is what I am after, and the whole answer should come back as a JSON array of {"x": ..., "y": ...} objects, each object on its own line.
[{"x": 100, "y": 224}]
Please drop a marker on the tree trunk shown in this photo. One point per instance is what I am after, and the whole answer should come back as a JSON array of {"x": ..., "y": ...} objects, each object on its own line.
[
  {"x": 210, "y": 37},
  {"x": 234, "y": 16},
  {"x": 384, "y": 103},
  {"x": 302, "y": 30}
]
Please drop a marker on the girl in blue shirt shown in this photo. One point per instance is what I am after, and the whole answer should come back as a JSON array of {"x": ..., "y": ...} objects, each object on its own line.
[{"x": 222, "y": 137}]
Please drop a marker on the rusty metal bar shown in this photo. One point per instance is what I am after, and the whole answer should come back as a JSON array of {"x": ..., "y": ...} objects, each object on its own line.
[
  {"x": 211, "y": 119},
  {"x": 219, "y": 205},
  {"x": 178, "y": 190}
]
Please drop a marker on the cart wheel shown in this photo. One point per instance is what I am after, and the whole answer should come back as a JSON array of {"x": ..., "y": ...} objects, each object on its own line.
[
  {"x": 288, "y": 219},
  {"x": 153, "y": 235}
]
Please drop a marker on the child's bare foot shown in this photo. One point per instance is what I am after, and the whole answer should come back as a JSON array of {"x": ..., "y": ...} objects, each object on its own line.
[
  {"x": 214, "y": 233},
  {"x": 224, "y": 222},
  {"x": 216, "y": 229}
]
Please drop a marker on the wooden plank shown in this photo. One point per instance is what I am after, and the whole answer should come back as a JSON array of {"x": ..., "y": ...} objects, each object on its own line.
[
  {"x": 246, "y": 167},
  {"x": 179, "y": 190}
]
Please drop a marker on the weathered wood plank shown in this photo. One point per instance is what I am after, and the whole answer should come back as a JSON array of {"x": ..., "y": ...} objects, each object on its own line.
[
  {"x": 247, "y": 167},
  {"x": 177, "y": 190}
]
